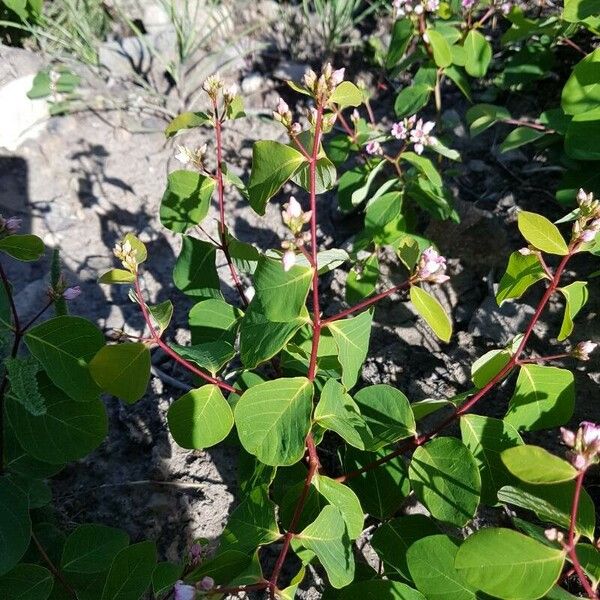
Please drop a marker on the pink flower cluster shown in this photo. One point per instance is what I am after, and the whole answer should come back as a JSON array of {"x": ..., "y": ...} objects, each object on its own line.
[
  {"x": 418, "y": 7},
  {"x": 416, "y": 131},
  {"x": 584, "y": 444}
]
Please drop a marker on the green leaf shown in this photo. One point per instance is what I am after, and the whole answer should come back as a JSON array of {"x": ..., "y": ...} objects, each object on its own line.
[
  {"x": 186, "y": 200},
  {"x": 581, "y": 93},
  {"x": 195, "y": 272},
  {"x": 186, "y": 120},
  {"x": 327, "y": 537},
  {"x": 117, "y": 276},
  {"x": 392, "y": 540},
  {"x": 445, "y": 477},
  {"x": 377, "y": 589},
  {"x": 64, "y": 346},
  {"x": 213, "y": 320},
  {"x": 579, "y": 10},
  {"x": 201, "y": 418},
  {"x": 431, "y": 565},
  {"x": 508, "y": 564},
  {"x": 482, "y": 116},
  {"x": 520, "y": 137},
  {"x": 251, "y": 524},
  {"x": 387, "y": 413},
  {"x": 342, "y": 497},
  {"x": 432, "y": 311},
  {"x": 457, "y": 75},
  {"x": 589, "y": 558},
  {"x": 26, "y": 582},
  {"x": 402, "y": 33},
  {"x": 544, "y": 398},
  {"x": 280, "y": 295},
  {"x": 210, "y": 356},
  {"x": 442, "y": 53},
  {"x": 346, "y": 94},
  {"x": 338, "y": 412},
  {"x": 478, "y": 54},
  {"x": 381, "y": 491},
  {"x": 131, "y": 572},
  {"x": 552, "y": 503},
  {"x": 273, "y": 419},
  {"x": 581, "y": 133},
  {"x": 66, "y": 432},
  {"x": 487, "y": 438},
  {"x": 91, "y": 548},
  {"x": 273, "y": 164},
  {"x": 261, "y": 339},
  {"x": 223, "y": 568},
  {"x": 384, "y": 222},
  {"x": 164, "y": 576},
  {"x": 162, "y": 314},
  {"x": 522, "y": 272},
  {"x": 536, "y": 465},
  {"x": 576, "y": 295},
  {"x": 412, "y": 99},
  {"x": 486, "y": 367},
  {"x": 425, "y": 166},
  {"x": 21, "y": 373},
  {"x": 122, "y": 370},
  {"x": 15, "y": 525},
  {"x": 25, "y": 247},
  {"x": 541, "y": 233},
  {"x": 352, "y": 339}
]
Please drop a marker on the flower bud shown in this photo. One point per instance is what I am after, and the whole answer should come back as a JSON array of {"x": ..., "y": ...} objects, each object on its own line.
[
  {"x": 12, "y": 225},
  {"x": 568, "y": 437},
  {"x": 207, "y": 583},
  {"x": 282, "y": 107},
  {"x": 590, "y": 433},
  {"x": 554, "y": 535},
  {"x": 212, "y": 85},
  {"x": 584, "y": 199},
  {"x": 127, "y": 255},
  {"x": 71, "y": 292},
  {"x": 338, "y": 76},
  {"x": 295, "y": 128},
  {"x": 310, "y": 78}
]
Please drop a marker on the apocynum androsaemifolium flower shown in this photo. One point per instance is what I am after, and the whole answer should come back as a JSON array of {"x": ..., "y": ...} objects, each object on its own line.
[
  {"x": 584, "y": 444},
  {"x": 374, "y": 148},
  {"x": 583, "y": 350},
  {"x": 432, "y": 267},
  {"x": 71, "y": 292},
  {"x": 127, "y": 255},
  {"x": 182, "y": 591}
]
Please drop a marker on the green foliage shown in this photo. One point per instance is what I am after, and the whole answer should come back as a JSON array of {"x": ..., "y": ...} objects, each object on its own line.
[
  {"x": 22, "y": 247},
  {"x": 533, "y": 464},
  {"x": 432, "y": 311}
]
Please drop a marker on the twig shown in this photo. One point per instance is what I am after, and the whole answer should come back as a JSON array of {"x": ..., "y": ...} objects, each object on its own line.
[{"x": 59, "y": 576}]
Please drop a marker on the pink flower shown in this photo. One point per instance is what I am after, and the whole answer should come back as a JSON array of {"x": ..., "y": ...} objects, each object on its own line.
[
  {"x": 374, "y": 148},
  {"x": 584, "y": 199},
  {"x": 400, "y": 130},
  {"x": 13, "y": 224},
  {"x": 590, "y": 433},
  {"x": 568, "y": 437},
  {"x": 288, "y": 260},
  {"x": 338, "y": 76},
  {"x": 420, "y": 137},
  {"x": 468, "y": 4},
  {"x": 183, "y": 591},
  {"x": 432, "y": 5},
  {"x": 282, "y": 107},
  {"x": 505, "y": 7},
  {"x": 587, "y": 235},
  {"x": 71, "y": 293},
  {"x": 432, "y": 267},
  {"x": 583, "y": 350}
]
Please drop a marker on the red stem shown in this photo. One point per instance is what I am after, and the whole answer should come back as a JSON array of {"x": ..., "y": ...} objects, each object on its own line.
[
  {"x": 221, "y": 198},
  {"x": 313, "y": 458},
  {"x": 365, "y": 303},
  {"x": 572, "y": 542},
  {"x": 513, "y": 362},
  {"x": 171, "y": 353},
  {"x": 539, "y": 359}
]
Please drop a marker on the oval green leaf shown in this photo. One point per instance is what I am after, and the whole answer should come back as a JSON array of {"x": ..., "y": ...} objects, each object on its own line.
[
  {"x": 533, "y": 464},
  {"x": 541, "y": 233},
  {"x": 432, "y": 311}
]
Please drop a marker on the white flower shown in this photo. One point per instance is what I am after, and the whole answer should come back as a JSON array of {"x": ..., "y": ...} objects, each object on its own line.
[
  {"x": 505, "y": 7},
  {"x": 583, "y": 350},
  {"x": 294, "y": 217},
  {"x": 374, "y": 148},
  {"x": 184, "y": 155},
  {"x": 401, "y": 129},
  {"x": 420, "y": 137},
  {"x": 295, "y": 128},
  {"x": 212, "y": 85},
  {"x": 419, "y": 10},
  {"x": 294, "y": 209},
  {"x": 288, "y": 260},
  {"x": 355, "y": 116},
  {"x": 230, "y": 92},
  {"x": 432, "y": 5},
  {"x": 526, "y": 251}
]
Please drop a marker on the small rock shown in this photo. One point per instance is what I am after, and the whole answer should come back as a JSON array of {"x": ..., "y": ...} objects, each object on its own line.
[
  {"x": 288, "y": 70},
  {"x": 499, "y": 324},
  {"x": 252, "y": 83}
]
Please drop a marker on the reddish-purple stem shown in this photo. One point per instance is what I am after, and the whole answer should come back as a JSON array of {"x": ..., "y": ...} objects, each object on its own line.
[
  {"x": 572, "y": 542},
  {"x": 171, "y": 353}
]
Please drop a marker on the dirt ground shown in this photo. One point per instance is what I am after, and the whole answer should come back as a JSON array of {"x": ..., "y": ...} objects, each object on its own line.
[{"x": 86, "y": 179}]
